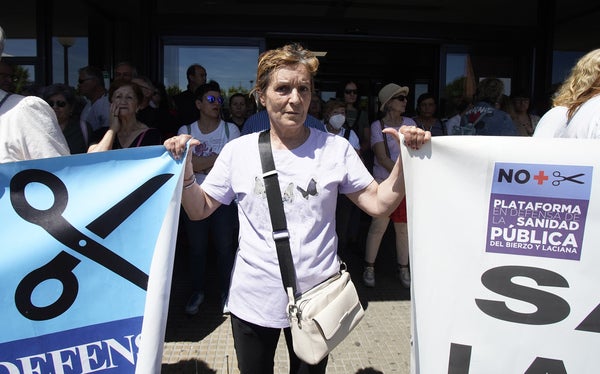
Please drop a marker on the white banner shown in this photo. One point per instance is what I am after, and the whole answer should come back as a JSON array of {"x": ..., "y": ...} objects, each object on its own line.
[{"x": 504, "y": 249}]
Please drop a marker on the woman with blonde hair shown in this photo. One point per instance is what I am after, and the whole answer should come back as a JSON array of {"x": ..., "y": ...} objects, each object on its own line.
[{"x": 576, "y": 104}]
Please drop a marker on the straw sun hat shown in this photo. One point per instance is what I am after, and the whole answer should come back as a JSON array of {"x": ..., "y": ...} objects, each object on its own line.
[{"x": 389, "y": 91}]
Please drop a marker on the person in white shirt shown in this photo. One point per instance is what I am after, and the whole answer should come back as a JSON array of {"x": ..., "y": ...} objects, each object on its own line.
[
  {"x": 91, "y": 85},
  {"x": 222, "y": 225},
  {"x": 576, "y": 105},
  {"x": 312, "y": 167},
  {"x": 334, "y": 115},
  {"x": 28, "y": 127}
]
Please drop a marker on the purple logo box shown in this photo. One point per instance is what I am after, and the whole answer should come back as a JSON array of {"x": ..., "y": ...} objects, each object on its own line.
[{"x": 538, "y": 210}]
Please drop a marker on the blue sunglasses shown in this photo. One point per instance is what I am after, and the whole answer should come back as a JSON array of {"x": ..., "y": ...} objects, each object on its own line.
[{"x": 211, "y": 99}]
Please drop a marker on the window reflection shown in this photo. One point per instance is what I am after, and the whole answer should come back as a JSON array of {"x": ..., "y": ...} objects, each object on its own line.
[
  {"x": 19, "y": 47},
  {"x": 77, "y": 57},
  {"x": 233, "y": 67},
  {"x": 460, "y": 78}
]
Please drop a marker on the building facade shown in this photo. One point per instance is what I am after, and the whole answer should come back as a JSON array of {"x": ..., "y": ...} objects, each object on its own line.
[{"x": 437, "y": 46}]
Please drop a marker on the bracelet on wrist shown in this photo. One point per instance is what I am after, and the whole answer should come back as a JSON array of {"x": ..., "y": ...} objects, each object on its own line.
[
  {"x": 189, "y": 185},
  {"x": 192, "y": 177}
]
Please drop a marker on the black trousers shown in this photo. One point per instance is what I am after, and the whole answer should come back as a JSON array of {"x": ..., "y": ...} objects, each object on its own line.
[{"x": 255, "y": 348}]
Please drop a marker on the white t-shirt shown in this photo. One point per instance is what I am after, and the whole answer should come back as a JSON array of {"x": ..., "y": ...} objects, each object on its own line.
[
  {"x": 310, "y": 178},
  {"x": 451, "y": 122},
  {"x": 212, "y": 143},
  {"x": 552, "y": 123},
  {"x": 352, "y": 138},
  {"x": 585, "y": 123},
  {"x": 29, "y": 130},
  {"x": 98, "y": 113}
]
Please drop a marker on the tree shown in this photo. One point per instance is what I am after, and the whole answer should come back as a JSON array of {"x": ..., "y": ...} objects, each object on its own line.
[
  {"x": 21, "y": 78},
  {"x": 456, "y": 88},
  {"x": 173, "y": 90}
]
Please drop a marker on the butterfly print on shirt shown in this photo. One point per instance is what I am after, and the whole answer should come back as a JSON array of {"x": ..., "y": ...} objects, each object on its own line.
[{"x": 311, "y": 189}]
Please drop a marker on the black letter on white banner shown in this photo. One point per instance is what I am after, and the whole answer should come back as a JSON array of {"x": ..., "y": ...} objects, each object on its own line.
[
  {"x": 550, "y": 308},
  {"x": 460, "y": 359},
  {"x": 546, "y": 366}
]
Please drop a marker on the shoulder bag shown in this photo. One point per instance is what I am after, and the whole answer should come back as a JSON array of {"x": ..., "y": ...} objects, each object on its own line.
[{"x": 323, "y": 316}]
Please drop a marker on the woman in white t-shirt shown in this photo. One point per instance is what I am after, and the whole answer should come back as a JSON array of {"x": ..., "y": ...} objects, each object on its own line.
[
  {"x": 576, "y": 105},
  {"x": 312, "y": 167}
]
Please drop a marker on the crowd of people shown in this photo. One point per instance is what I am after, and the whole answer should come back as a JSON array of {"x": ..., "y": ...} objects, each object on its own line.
[{"x": 355, "y": 159}]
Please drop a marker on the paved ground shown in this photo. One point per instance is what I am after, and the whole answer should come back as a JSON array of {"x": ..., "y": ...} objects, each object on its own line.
[{"x": 380, "y": 344}]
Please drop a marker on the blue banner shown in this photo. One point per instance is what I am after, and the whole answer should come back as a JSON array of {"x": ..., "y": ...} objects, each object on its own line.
[{"x": 81, "y": 236}]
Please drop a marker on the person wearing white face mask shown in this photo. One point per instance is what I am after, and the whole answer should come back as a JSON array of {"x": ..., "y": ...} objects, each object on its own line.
[
  {"x": 347, "y": 214},
  {"x": 334, "y": 115}
]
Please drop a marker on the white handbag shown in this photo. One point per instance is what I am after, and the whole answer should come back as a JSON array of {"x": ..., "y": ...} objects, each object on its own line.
[{"x": 323, "y": 316}]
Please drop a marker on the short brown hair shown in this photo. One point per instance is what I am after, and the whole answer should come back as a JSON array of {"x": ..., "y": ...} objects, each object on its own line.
[
  {"x": 120, "y": 83},
  {"x": 332, "y": 105},
  {"x": 290, "y": 54}
]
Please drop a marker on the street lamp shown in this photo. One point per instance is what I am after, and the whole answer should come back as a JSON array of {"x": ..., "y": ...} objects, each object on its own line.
[{"x": 66, "y": 42}]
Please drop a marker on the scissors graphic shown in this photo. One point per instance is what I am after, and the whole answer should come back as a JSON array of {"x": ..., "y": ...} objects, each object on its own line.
[
  {"x": 571, "y": 178},
  {"x": 61, "y": 266}
]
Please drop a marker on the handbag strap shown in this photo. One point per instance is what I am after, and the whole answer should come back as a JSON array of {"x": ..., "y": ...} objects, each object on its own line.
[
  {"x": 280, "y": 233},
  {"x": 387, "y": 147}
]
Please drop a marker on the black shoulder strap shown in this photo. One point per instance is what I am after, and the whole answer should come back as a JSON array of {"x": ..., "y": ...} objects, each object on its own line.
[
  {"x": 280, "y": 233},
  {"x": 387, "y": 147},
  {"x": 347, "y": 133},
  {"x": 4, "y": 98}
]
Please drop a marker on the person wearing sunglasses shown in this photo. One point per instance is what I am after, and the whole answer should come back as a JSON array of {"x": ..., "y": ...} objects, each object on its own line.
[
  {"x": 67, "y": 106},
  {"x": 213, "y": 133},
  {"x": 393, "y": 100},
  {"x": 357, "y": 119},
  {"x": 91, "y": 86}
]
